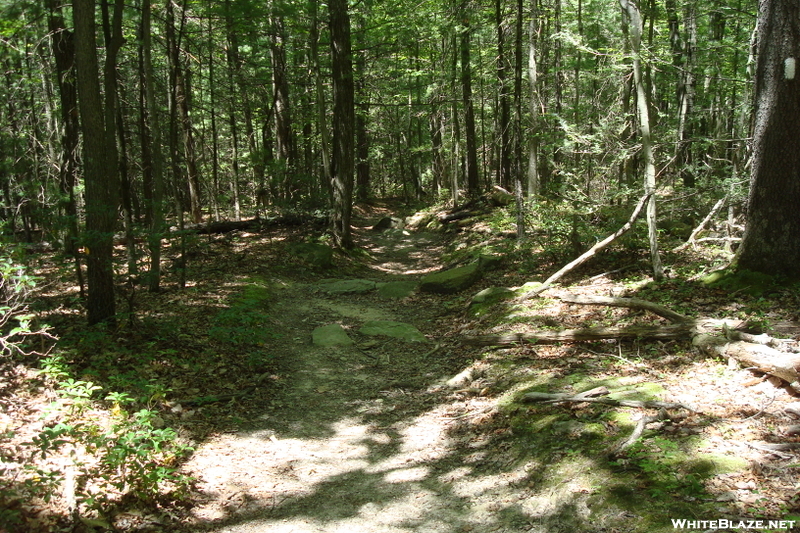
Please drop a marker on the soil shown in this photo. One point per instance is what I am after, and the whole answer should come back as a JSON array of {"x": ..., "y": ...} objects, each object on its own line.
[
  {"x": 390, "y": 436},
  {"x": 358, "y": 438}
]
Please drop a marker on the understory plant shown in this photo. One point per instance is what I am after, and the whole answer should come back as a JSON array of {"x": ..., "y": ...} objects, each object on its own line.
[{"x": 108, "y": 450}]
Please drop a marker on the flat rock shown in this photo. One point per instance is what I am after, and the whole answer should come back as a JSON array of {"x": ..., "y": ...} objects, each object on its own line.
[
  {"x": 397, "y": 289},
  {"x": 482, "y": 302},
  {"x": 451, "y": 281},
  {"x": 396, "y": 330},
  {"x": 347, "y": 286},
  {"x": 490, "y": 261},
  {"x": 330, "y": 335}
]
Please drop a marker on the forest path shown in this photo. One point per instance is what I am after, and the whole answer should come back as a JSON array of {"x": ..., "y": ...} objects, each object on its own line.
[{"x": 359, "y": 438}]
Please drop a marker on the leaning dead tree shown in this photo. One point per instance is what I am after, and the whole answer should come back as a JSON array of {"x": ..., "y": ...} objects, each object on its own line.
[{"x": 591, "y": 252}]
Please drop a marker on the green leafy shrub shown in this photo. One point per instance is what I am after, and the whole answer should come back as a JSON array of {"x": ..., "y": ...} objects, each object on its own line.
[{"x": 110, "y": 452}]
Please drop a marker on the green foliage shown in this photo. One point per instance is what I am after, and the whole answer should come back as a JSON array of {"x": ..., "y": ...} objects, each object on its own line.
[
  {"x": 657, "y": 460},
  {"x": 243, "y": 322},
  {"x": 114, "y": 454}
]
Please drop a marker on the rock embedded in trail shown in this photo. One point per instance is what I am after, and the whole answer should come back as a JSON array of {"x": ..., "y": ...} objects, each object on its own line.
[
  {"x": 397, "y": 289},
  {"x": 390, "y": 328},
  {"x": 482, "y": 302},
  {"x": 451, "y": 281},
  {"x": 347, "y": 286},
  {"x": 330, "y": 335},
  {"x": 387, "y": 223}
]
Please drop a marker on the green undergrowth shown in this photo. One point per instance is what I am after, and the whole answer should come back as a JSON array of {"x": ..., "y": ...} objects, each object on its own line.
[{"x": 113, "y": 433}]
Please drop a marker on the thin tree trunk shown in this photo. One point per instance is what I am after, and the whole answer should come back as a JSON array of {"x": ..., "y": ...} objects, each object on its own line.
[
  {"x": 284, "y": 135},
  {"x": 151, "y": 145},
  {"x": 233, "y": 60},
  {"x": 504, "y": 122},
  {"x": 643, "y": 111},
  {"x": 320, "y": 96},
  {"x": 471, "y": 155},
  {"x": 533, "y": 81}
]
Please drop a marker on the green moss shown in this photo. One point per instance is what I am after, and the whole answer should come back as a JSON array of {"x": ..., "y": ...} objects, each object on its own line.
[{"x": 745, "y": 281}]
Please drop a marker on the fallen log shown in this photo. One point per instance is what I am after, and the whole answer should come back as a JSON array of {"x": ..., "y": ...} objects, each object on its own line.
[
  {"x": 762, "y": 358},
  {"x": 672, "y": 331},
  {"x": 253, "y": 224}
]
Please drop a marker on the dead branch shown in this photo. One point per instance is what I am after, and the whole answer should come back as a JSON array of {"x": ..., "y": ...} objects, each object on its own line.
[
  {"x": 637, "y": 431},
  {"x": 641, "y": 404},
  {"x": 589, "y": 253},
  {"x": 714, "y": 210},
  {"x": 632, "y": 303}
]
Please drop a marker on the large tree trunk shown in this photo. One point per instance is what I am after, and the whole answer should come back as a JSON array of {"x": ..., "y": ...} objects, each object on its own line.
[
  {"x": 342, "y": 165},
  {"x": 99, "y": 164},
  {"x": 771, "y": 241}
]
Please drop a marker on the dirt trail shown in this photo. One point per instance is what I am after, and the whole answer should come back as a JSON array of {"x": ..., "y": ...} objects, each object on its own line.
[{"x": 360, "y": 439}]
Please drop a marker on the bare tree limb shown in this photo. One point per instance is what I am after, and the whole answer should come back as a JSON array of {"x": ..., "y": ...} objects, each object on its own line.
[
  {"x": 633, "y": 303},
  {"x": 588, "y": 254}
]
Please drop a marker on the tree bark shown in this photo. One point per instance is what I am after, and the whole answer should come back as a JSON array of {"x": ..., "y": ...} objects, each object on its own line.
[
  {"x": 99, "y": 164},
  {"x": 771, "y": 242},
  {"x": 643, "y": 111},
  {"x": 342, "y": 164},
  {"x": 471, "y": 154}
]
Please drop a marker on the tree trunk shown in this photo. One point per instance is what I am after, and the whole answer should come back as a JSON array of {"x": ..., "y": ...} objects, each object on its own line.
[
  {"x": 342, "y": 164},
  {"x": 233, "y": 60},
  {"x": 284, "y": 135},
  {"x": 771, "y": 241},
  {"x": 153, "y": 164},
  {"x": 322, "y": 126},
  {"x": 471, "y": 154},
  {"x": 504, "y": 119},
  {"x": 643, "y": 111},
  {"x": 64, "y": 53},
  {"x": 99, "y": 163},
  {"x": 533, "y": 82}
]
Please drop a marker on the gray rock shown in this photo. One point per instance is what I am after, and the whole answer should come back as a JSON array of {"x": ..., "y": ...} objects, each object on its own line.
[
  {"x": 384, "y": 224},
  {"x": 316, "y": 255},
  {"x": 347, "y": 286},
  {"x": 397, "y": 289},
  {"x": 482, "y": 302},
  {"x": 331, "y": 335},
  {"x": 451, "y": 281},
  {"x": 490, "y": 261},
  {"x": 390, "y": 328}
]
